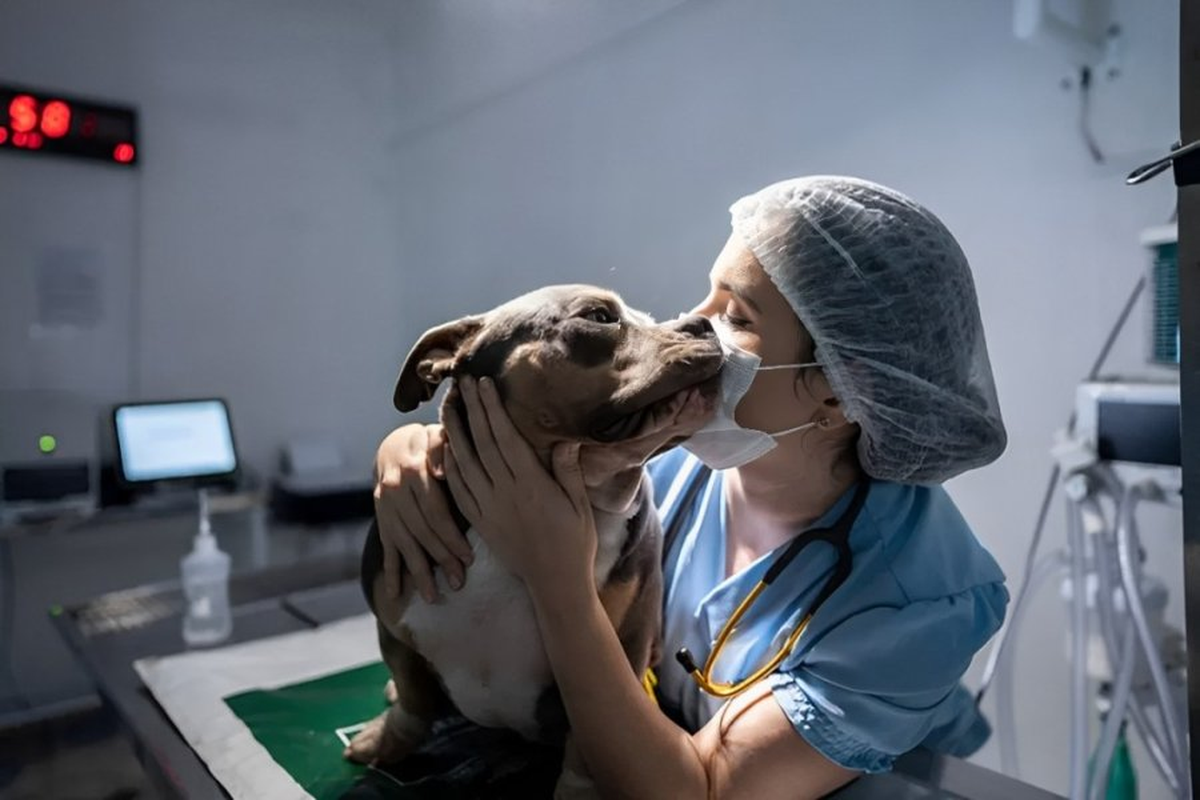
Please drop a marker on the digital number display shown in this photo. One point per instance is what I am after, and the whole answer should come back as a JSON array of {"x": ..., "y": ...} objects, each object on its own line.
[{"x": 51, "y": 123}]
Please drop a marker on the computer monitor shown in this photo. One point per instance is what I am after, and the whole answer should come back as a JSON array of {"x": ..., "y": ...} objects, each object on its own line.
[{"x": 182, "y": 440}]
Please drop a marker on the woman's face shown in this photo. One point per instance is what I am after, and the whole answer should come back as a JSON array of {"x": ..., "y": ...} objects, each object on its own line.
[{"x": 746, "y": 302}]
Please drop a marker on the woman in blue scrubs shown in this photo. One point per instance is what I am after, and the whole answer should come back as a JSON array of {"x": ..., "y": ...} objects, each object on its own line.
[{"x": 857, "y": 381}]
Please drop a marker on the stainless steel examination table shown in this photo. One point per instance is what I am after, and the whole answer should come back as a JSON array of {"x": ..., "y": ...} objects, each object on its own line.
[{"x": 110, "y": 632}]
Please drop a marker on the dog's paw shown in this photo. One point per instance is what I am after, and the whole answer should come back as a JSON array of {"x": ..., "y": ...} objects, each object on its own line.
[
  {"x": 385, "y": 740},
  {"x": 364, "y": 747},
  {"x": 390, "y": 693}
]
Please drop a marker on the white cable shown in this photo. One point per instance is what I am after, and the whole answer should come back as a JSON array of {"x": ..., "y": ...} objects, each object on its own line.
[
  {"x": 1079, "y": 632},
  {"x": 1050, "y": 565},
  {"x": 1118, "y": 650},
  {"x": 1157, "y": 748},
  {"x": 1104, "y": 547},
  {"x": 1127, "y": 558},
  {"x": 1102, "y": 756},
  {"x": 1097, "y": 529}
]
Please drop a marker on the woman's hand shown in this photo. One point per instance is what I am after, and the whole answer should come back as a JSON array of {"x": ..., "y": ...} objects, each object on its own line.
[
  {"x": 415, "y": 522},
  {"x": 539, "y": 523}
]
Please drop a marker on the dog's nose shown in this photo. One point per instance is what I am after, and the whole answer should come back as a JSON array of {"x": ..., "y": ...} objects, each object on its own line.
[{"x": 694, "y": 325}]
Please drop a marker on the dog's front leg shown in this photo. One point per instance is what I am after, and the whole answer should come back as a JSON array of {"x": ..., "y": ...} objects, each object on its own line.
[{"x": 415, "y": 698}]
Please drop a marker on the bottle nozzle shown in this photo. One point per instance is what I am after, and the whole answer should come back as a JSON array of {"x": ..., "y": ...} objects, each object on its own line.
[{"x": 205, "y": 533}]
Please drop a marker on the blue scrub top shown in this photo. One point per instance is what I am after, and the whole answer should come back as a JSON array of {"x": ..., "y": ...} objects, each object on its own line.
[{"x": 877, "y": 672}]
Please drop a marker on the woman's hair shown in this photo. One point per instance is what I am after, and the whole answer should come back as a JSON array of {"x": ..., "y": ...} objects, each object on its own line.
[{"x": 887, "y": 297}]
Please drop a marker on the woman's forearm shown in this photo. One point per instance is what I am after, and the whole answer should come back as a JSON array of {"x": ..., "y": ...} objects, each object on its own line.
[{"x": 630, "y": 748}]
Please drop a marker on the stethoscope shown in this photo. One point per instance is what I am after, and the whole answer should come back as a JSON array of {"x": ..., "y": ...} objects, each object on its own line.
[{"x": 836, "y": 535}]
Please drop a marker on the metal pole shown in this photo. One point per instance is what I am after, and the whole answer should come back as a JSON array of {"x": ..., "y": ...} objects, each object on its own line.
[{"x": 1189, "y": 372}]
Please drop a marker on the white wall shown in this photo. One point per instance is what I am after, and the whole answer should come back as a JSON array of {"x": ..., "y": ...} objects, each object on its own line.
[
  {"x": 292, "y": 248},
  {"x": 264, "y": 220}
]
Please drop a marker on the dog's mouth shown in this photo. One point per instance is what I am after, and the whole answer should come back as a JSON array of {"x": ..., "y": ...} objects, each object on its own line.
[
  {"x": 620, "y": 424},
  {"x": 624, "y": 426}
]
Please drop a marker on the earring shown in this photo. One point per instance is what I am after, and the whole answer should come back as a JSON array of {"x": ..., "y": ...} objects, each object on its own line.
[{"x": 823, "y": 422}]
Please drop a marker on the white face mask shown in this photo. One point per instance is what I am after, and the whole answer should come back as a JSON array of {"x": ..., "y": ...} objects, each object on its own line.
[{"x": 722, "y": 443}]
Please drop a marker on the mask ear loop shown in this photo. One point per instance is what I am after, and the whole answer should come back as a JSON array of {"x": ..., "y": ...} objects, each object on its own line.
[
  {"x": 823, "y": 422},
  {"x": 788, "y": 366}
]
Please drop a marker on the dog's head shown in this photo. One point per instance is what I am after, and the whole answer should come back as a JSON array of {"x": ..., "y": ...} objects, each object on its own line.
[{"x": 572, "y": 363}]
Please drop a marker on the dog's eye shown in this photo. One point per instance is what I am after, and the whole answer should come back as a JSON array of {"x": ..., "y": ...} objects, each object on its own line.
[{"x": 601, "y": 315}]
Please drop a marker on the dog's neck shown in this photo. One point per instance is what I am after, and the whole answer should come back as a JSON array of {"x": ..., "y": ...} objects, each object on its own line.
[{"x": 617, "y": 493}]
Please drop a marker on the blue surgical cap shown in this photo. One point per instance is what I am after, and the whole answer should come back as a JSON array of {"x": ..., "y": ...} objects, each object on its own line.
[{"x": 887, "y": 295}]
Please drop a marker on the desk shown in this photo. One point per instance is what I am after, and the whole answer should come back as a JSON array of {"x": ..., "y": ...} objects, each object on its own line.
[
  {"x": 110, "y": 632},
  {"x": 67, "y": 562}
]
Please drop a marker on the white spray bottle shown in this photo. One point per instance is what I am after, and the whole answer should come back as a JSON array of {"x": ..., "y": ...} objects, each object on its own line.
[{"x": 205, "y": 573}]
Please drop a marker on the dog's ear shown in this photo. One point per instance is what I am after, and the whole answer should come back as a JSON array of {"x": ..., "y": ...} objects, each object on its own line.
[{"x": 431, "y": 360}]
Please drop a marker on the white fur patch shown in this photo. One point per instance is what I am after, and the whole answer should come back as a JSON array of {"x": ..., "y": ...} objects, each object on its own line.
[{"x": 483, "y": 640}]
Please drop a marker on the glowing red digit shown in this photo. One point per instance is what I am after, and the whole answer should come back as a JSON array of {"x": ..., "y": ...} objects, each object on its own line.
[
  {"x": 23, "y": 113},
  {"x": 56, "y": 119}
]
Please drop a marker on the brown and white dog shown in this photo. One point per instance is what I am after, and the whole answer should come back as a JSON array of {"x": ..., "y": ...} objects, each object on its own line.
[{"x": 571, "y": 363}]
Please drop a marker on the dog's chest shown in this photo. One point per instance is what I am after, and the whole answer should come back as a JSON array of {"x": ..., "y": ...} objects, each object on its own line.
[{"x": 483, "y": 640}]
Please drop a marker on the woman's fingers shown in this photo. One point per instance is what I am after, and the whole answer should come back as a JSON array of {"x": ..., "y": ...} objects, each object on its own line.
[
  {"x": 391, "y": 569},
  {"x": 569, "y": 475},
  {"x": 665, "y": 414},
  {"x": 441, "y": 519},
  {"x": 418, "y": 526},
  {"x": 471, "y": 471},
  {"x": 460, "y": 490},
  {"x": 482, "y": 433},
  {"x": 390, "y": 528},
  {"x": 433, "y": 455},
  {"x": 414, "y": 521},
  {"x": 513, "y": 447},
  {"x": 418, "y": 566}
]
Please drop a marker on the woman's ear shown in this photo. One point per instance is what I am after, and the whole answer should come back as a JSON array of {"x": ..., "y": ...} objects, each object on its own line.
[
  {"x": 812, "y": 385},
  {"x": 832, "y": 409}
]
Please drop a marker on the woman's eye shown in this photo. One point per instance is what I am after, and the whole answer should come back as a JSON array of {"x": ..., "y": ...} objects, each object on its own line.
[
  {"x": 601, "y": 315},
  {"x": 732, "y": 321}
]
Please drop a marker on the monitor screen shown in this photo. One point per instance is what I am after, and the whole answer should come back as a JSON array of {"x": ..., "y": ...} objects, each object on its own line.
[{"x": 174, "y": 441}]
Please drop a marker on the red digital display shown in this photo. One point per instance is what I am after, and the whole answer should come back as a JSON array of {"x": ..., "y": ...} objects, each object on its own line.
[{"x": 51, "y": 123}]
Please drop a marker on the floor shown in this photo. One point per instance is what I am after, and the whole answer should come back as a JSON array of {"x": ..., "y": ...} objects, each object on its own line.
[{"x": 83, "y": 756}]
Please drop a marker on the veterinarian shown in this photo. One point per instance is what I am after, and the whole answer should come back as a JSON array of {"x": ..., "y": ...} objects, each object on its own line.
[{"x": 856, "y": 382}]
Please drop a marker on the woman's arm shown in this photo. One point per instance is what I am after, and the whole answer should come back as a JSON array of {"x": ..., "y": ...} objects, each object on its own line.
[
  {"x": 629, "y": 746},
  {"x": 748, "y": 750},
  {"x": 416, "y": 528}
]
